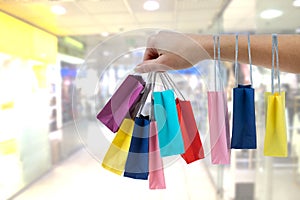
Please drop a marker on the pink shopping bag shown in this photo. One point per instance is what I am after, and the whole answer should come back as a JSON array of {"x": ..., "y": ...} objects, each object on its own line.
[
  {"x": 219, "y": 127},
  {"x": 156, "y": 170},
  {"x": 218, "y": 119}
]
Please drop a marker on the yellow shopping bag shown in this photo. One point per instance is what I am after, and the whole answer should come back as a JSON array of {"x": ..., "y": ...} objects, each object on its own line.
[
  {"x": 276, "y": 135},
  {"x": 116, "y": 156}
]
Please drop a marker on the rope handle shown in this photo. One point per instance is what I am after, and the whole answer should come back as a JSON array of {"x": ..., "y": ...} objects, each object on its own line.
[
  {"x": 236, "y": 60},
  {"x": 275, "y": 56}
]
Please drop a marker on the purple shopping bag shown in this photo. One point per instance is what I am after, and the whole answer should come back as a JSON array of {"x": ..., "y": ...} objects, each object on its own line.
[{"x": 121, "y": 103}]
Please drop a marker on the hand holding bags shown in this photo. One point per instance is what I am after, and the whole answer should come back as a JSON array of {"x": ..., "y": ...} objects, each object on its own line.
[
  {"x": 119, "y": 105},
  {"x": 243, "y": 120},
  {"x": 218, "y": 121},
  {"x": 275, "y": 139}
]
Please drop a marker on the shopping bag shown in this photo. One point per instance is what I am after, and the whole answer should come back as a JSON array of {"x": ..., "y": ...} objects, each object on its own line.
[
  {"x": 243, "y": 119},
  {"x": 275, "y": 143},
  {"x": 156, "y": 170},
  {"x": 218, "y": 118},
  {"x": 121, "y": 103},
  {"x": 169, "y": 133},
  {"x": 137, "y": 164},
  {"x": 219, "y": 127},
  {"x": 243, "y": 115},
  {"x": 116, "y": 156},
  {"x": 191, "y": 138}
]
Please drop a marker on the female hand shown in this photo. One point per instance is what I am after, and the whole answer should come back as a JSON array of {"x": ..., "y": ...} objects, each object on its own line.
[{"x": 168, "y": 50}]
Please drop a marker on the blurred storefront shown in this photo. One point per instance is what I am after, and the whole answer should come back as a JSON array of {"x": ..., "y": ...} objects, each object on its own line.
[{"x": 32, "y": 110}]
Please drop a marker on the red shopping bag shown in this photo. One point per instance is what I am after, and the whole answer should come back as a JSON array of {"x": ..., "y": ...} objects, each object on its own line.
[
  {"x": 191, "y": 138},
  {"x": 193, "y": 149}
]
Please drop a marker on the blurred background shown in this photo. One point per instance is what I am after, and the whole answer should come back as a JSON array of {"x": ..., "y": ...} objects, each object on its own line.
[{"x": 59, "y": 65}]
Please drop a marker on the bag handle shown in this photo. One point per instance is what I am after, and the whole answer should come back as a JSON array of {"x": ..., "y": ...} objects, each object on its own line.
[
  {"x": 216, "y": 43},
  {"x": 145, "y": 94},
  {"x": 236, "y": 67},
  {"x": 152, "y": 117},
  {"x": 166, "y": 79},
  {"x": 275, "y": 56}
]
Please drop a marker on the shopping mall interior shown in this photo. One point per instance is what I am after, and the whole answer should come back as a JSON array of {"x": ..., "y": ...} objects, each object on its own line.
[{"x": 70, "y": 56}]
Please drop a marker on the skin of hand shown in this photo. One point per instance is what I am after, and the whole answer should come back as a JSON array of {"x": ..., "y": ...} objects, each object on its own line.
[
  {"x": 171, "y": 51},
  {"x": 168, "y": 50}
]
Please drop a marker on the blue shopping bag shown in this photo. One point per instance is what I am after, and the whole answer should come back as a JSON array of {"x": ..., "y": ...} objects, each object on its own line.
[
  {"x": 137, "y": 164},
  {"x": 243, "y": 117},
  {"x": 169, "y": 133},
  {"x": 243, "y": 122}
]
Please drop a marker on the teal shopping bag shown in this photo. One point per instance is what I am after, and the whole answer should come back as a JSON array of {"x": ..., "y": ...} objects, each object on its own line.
[{"x": 169, "y": 133}]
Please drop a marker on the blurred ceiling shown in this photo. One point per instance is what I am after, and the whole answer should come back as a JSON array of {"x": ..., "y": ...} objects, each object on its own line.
[{"x": 95, "y": 17}]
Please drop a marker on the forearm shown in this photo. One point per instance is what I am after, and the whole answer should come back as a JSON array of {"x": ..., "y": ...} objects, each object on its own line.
[{"x": 261, "y": 49}]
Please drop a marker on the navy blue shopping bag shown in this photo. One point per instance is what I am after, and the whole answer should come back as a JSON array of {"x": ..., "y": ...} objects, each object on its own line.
[
  {"x": 244, "y": 128},
  {"x": 243, "y": 117},
  {"x": 137, "y": 164}
]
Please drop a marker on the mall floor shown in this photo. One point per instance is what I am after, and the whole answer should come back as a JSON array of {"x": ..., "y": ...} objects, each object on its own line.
[{"x": 82, "y": 177}]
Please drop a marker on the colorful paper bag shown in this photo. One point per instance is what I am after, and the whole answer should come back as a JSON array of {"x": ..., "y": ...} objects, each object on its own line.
[
  {"x": 137, "y": 164},
  {"x": 218, "y": 127},
  {"x": 116, "y": 156},
  {"x": 119, "y": 105},
  {"x": 190, "y": 134},
  {"x": 169, "y": 133},
  {"x": 192, "y": 143},
  {"x": 243, "y": 115},
  {"x": 218, "y": 118},
  {"x": 275, "y": 143},
  {"x": 156, "y": 170}
]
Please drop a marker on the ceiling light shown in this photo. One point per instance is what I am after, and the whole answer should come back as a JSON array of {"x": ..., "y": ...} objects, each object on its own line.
[
  {"x": 270, "y": 14},
  {"x": 104, "y": 34},
  {"x": 296, "y": 3},
  {"x": 151, "y": 5},
  {"x": 58, "y": 10}
]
